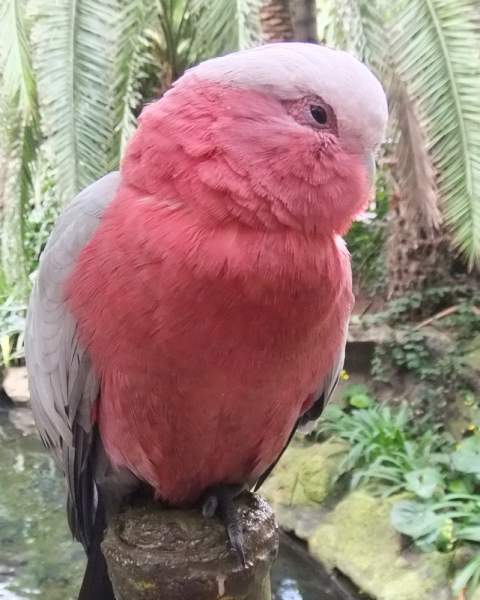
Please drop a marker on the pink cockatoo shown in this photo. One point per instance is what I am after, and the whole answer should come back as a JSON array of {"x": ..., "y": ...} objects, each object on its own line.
[{"x": 191, "y": 309}]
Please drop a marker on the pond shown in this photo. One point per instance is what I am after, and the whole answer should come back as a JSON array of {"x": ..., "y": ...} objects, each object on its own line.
[{"x": 38, "y": 558}]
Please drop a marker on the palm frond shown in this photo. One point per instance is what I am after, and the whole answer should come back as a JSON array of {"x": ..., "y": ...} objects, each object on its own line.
[
  {"x": 413, "y": 168},
  {"x": 19, "y": 133},
  {"x": 226, "y": 25},
  {"x": 133, "y": 54},
  {"x": 73, "y": 48},
  {"x": 436, "y": 44},
  {"x": 18, "y": 79},
  {"x": 19, "y": 148},
  {"x": 355, "y": 26}
]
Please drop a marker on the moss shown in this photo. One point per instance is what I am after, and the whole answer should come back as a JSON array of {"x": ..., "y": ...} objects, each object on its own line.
[
  {"x": 304, "y": 475},
  {"x": 141, "y": 586},
  {"x": 465, "y": 413},
  {"x": 357, "y": 538}
]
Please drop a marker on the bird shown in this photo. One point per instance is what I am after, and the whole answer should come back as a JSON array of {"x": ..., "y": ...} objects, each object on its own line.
[{"x": 190, "y": 310}]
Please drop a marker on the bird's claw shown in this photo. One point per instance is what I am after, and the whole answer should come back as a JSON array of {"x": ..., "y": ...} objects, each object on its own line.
[
  {"x": 219, "y": 501},
  {"x": 235, "y": 537},
  {"x": 210, "y": 506}
]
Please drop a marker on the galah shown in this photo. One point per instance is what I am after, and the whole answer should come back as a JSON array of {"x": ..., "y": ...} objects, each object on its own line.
[{"x": 191, "y": 309}]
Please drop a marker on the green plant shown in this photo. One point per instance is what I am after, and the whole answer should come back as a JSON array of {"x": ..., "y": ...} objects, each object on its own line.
[
  {"x": 385, "y": 448},
  {"x": 390, "y": 453},
  {"x": 441, "y": 375},
  {"x": 366, "y": 243},
  {"x": 442, "y": 525},
  {"x": 357, "y": 396},
  {"x": 12, "y": 326},
  {"x": 419, "y": 305},
  {"x": 468, "y": 577},
  {"x": 419, "y": 47}
]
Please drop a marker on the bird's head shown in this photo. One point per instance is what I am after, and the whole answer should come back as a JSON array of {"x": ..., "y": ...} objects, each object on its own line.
[{"x": 277, "y": 136}]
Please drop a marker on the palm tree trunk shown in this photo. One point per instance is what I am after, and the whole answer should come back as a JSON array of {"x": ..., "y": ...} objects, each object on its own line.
[
  {"x": 305, "y": 20},
  {"x": 418, "y": 255},
  {"x": 284, "y": 20},
  {"x": 276, "y": 21}
]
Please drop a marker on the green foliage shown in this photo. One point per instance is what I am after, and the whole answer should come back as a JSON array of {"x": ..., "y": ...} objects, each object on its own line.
[
  {"x": 432, "y": 42},
  {"x": 392, "y": 453},
  {"x": 441, "y": 375},
  {"x": 422, "y": 354},
  {"x": 383, "y": 445},
  {"x": 443, "y": 525},
  {"x": 366, "y": 243},
  {"x": 357, "y": 396},
  {"x": 418, "y": 305},
  {"x": 42, "y": 211},
  {"x": 426, "y": 53}
]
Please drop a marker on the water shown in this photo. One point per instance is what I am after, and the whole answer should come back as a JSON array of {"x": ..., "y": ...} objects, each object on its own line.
[{"x": 39, "y": 560}]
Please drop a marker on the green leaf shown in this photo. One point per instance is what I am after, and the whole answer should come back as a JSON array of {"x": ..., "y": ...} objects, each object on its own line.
[
  {"x": 463, "y": 577},
  {"x": 470, "y": 533},
  {"x": 460, "y": 486},
  {"x": 466, "y": 458},
  {"x": 18, "y": 78},
  {"x": 131, "y": 59},
  {"x": 72, "y": 49},
  {"x": 227, "y": 25},
  {"x": 414, "y": 519},
  {"x": 88, "y": 64},
  {"x": 357, "y": 396},
  {"x": 436, "y": 46},
  {"x": 424, "y": 482},
  {"x": 361, "y": 401},
  {"x": 19, "y": 136}
]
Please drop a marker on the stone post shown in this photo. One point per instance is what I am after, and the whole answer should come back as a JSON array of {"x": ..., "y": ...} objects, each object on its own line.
[{"x": 167, "y": 554}]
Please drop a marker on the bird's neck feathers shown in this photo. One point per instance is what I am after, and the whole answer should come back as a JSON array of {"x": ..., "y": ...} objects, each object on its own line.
[{"x": 231, "y": 155}]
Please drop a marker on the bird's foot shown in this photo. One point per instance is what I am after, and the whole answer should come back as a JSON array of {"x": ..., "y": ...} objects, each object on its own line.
[{"x": 219, "y": 500}]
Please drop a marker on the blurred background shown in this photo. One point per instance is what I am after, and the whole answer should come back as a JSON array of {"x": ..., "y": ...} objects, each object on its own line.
[{"x": 382, "y": 499}]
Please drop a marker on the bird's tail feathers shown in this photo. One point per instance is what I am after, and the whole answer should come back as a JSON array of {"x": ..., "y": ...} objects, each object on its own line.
[{"x": 96, "y": 584}]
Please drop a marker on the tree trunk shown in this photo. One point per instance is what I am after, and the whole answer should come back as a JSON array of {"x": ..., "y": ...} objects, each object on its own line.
[
  {"x": 284, "y": 20},
  {"x": 418, "y": 256},
  {"x": 305, "y": 20},
  {"x": 276, "y": 21}
]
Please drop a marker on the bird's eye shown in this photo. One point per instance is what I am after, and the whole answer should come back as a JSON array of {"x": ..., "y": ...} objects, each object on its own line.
[{"x": 319, "y": 114}]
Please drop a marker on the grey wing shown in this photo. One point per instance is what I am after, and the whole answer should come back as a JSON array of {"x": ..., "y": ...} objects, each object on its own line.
[
  {"x": 322, "y": 397},
  {"x": 62, "y": 383}
]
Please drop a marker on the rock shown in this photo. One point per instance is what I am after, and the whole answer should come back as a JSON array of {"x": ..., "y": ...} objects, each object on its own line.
[
  {"x": 15, "y": 384},
  {"x": 361, "y": 343},
  {"x": 21, "y": 418},
  {"x": 357, "y": 539},
  {"x": 304, "y": 474},
  {"x": 301, "y": 482}
]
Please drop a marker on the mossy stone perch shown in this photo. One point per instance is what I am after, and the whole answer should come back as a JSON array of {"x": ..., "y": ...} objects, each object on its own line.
[{"x": 166, "y": 554}]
